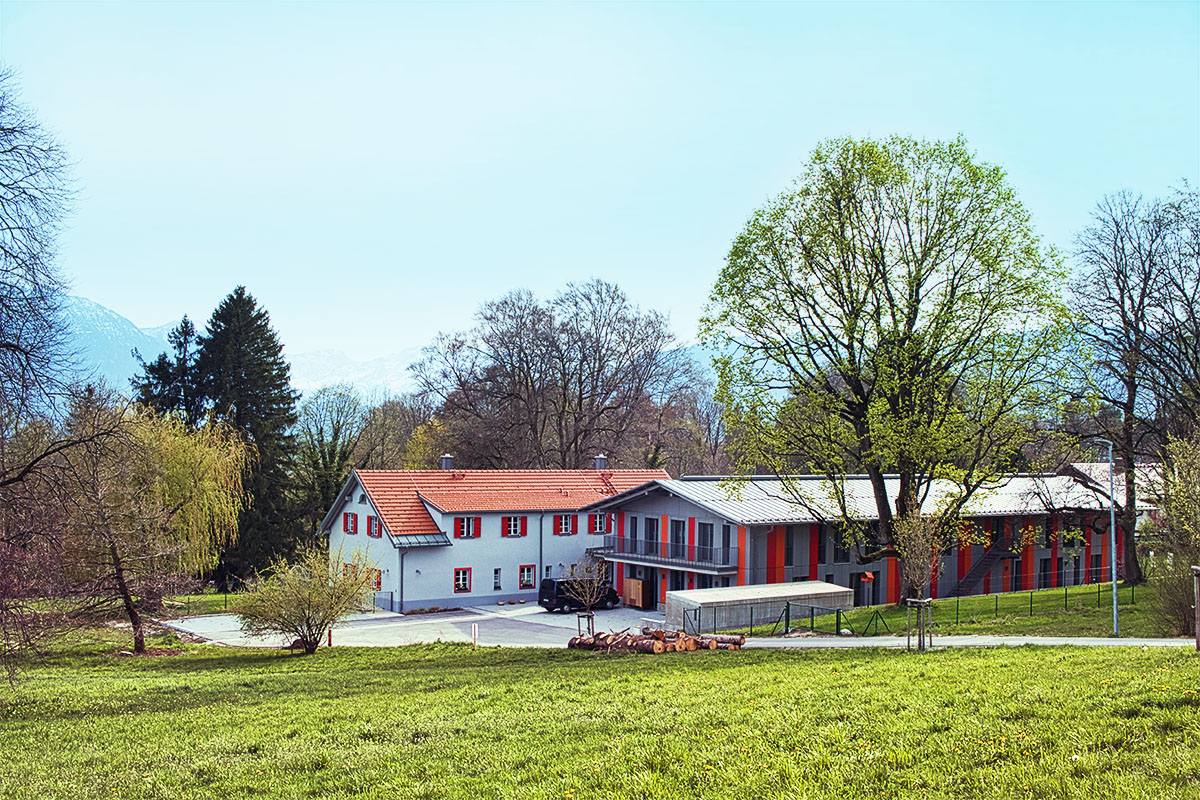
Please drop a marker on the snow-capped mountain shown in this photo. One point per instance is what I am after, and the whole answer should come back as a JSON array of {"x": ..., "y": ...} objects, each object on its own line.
[{"x": 105, "y": 340}]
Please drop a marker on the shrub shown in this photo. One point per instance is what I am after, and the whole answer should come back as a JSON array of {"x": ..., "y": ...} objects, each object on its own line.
[{"x": 303, "y": 600}]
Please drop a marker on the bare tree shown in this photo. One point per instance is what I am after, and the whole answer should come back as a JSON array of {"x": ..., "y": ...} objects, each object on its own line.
[
  {"x": 1137, "y": 317},
  {"x": 550, "y": 385},
  {"x": 331, "y": 423},
  {"x": 383, "y": 443}
]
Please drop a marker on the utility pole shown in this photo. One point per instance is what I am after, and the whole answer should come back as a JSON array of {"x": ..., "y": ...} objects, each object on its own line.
[{"x": 1112, "y": 531}]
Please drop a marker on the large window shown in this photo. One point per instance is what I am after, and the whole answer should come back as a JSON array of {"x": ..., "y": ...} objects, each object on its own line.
[
  {"x": 598, "y": 523},
  {"x": 513, "y": 526},
  {"x": 349, "y": 523},
  {"x": 789, "y": 546},
  {"x": 704, "y": 538},
  {"x": 462, "y": 580},
  {"x": 566, "y": 524},
  {"x": 841, "y": 553},
  {"x": 525, "y": 576}
]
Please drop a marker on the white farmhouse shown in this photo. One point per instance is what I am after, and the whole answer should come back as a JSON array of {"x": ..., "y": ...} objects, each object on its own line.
[{"x": 450, "y": 537}]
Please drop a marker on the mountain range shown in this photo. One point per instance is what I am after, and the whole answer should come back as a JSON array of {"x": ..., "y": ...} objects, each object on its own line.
[{"x": 104, "y": 341}]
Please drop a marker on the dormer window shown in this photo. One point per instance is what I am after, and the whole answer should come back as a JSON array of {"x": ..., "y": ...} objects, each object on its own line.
[{"x": 362, "y": 498}]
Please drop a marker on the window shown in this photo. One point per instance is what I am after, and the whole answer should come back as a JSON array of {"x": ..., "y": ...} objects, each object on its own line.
[
  {"x": 704, "y": 538},
  {"x": 822, "y": 535},
  {"x": 467, "y": 527},
  {"x": 678, "y": 538},
  {"x": 651, "y": 529},
  {"x": 572, "y": 572},
  {"x": 1047, "y": 533},
  {"x": 841, "y": 553},
  {"x": 598, "y": 523},
  {"x": 547, "y": 570},
  {"x": 350, "y": 523},
  {"x": 362, "y": 498},
  {"x": 789, "y": 546},
  {"x": 496, "y": 579},
  {"x": 633, "y": 527},
  {"x": 525, "y": 576},
  {"x": 374, "y": 527},
  {"x": 566, "y": 524},
  {"x": 462, "y": 580},
  {"x": 513, "y": 526}
]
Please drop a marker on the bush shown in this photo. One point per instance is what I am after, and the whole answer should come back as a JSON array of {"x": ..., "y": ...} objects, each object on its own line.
[
  {"x": 303, "y": 600},
  {"x": 1176, "y": 532}
]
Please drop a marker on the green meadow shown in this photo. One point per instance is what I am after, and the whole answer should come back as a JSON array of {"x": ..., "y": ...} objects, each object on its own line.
[{"x": 442, "y": 721}]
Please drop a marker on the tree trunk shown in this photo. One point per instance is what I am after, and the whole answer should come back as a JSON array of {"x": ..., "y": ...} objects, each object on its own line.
[
  {"x": 135, "y": 619},
  {"x": 1128, "y": 518}
]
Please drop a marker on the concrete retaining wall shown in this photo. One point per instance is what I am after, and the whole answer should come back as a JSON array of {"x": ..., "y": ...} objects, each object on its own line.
[{"x": 729, "y": 608}]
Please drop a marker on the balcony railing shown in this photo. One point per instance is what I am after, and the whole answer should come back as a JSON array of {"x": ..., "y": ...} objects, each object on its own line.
[{"x": 675, "y": 554}]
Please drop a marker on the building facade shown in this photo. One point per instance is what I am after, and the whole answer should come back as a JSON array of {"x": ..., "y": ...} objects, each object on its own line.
[
  {"x": 450, "y": 538},
  {"x": 1035, "y": 531}
]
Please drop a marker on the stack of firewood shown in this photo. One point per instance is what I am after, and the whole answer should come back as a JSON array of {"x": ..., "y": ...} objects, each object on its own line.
[{"x": 650, "y": 640}]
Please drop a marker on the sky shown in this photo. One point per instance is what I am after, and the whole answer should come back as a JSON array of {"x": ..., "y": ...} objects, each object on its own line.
[{"x": 373, "y": 172}]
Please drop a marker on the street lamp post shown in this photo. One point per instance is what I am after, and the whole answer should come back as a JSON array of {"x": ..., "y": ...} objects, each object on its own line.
[{"x": 1112, "y": 531}]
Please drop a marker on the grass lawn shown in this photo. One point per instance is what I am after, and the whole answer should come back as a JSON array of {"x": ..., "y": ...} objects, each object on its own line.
[
  {"x": 192, "y": 605},
  {"x": 1079, "y": 611},
  {"x": 439, "y": 721}
]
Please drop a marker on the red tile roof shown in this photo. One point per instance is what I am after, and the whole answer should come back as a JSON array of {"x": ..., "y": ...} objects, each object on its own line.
[{"x": 397, "y": 494}]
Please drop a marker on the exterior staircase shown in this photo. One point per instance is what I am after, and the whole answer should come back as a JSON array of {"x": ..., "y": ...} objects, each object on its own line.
[{"x": 1001, "y": 548}]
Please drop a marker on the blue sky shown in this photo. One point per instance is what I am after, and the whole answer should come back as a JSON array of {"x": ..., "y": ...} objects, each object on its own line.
[{"x": 373, "y": 172}]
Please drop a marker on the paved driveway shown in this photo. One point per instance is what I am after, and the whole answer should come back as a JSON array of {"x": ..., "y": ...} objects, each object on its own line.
[{"x": 511, "y": 626}]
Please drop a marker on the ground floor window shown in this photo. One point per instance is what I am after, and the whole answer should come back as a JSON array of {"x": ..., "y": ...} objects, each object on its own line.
[
  {"x": 462, "y": 579},
  {"x": 525, "y": 576},
  {"x": 496, "y": 579}
]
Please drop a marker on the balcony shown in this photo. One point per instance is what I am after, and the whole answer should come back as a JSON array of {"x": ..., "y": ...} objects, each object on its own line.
[{"x": 677, "y": 555}]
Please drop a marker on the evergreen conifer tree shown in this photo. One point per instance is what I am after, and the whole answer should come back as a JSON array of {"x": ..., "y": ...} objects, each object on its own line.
[
  {"x": 246, "y": 382},
  {"x": 172, "y": 384}
]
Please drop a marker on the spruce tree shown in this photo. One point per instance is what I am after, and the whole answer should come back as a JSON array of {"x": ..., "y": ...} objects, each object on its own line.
[
  {"x": 172, "y": 384},
  {"x": 245, "y": 381}
]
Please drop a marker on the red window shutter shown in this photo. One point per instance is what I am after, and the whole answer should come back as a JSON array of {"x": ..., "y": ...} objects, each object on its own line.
[
  {"x": 478, "y": 526},
  {"x": 557, "y": 524},
  {"x": 523, "y": 521},
  {"x": 504, "y": 526},
  {"x": 574, "y": 523},
  {"x": 370, "y": 525},
  {"x": 345, "y": 522},
  {"x": 458, "y": 527}
]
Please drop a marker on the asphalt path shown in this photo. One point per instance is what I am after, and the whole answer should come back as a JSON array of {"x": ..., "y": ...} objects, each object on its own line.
[{"x": 533, "y": 626}]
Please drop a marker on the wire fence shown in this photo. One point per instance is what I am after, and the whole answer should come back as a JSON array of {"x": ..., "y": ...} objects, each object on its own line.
[{"x": 772, "y": 618}]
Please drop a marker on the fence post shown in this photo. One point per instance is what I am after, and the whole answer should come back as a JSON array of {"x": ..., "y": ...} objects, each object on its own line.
[
  {"x": 1196, "y": 607},
  {"x": 957, "y": 601},
  {"x": 787, "y": 617},
  {"x": 751, "y": 620},
  {"x": 812, "y": 619},
  {"x": 1064, "y": 597},
  {"x": 839, "y": 622},
  {"x": 997, "y": 606},
  {"x": 1132, "y": 598}
]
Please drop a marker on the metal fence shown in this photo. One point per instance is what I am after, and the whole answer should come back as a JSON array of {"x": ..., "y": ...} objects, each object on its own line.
[
  {"x": 779, "y": 617},
  {"x": 386, "y": 601}
]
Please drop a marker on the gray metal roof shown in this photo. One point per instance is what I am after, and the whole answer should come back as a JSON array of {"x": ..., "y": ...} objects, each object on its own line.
[
  {"x": 419, "y": 540},
  {"x": 810, "y": 498}
]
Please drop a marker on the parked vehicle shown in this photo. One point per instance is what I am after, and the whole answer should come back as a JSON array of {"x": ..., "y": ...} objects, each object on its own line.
[{"x": 555, "y": 594}]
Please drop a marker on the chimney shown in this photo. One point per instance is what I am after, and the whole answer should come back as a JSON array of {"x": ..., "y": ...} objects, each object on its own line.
[
  {"x": 447, "y": 461},
  {"x": 601, "y": 461}
]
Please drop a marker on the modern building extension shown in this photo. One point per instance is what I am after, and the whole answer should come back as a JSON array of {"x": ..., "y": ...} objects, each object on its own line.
[{"x": 1034, "y": 531}]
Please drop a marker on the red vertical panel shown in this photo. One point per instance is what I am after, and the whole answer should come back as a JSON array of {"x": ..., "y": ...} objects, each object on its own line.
[
  {"x": 743, "y": 564},
  {"x": 691, "y": 540},
  {"x": 1087, "y": 557},
  {"x": 814, "y": 531},
  {"x": 620, "y": 533},
  {"x": 1053, "y": 551},
  {"x": 772, "y": 556},
  {"x": 893, "y": 580},
  {"x": 987, "y": 582},
  {"x": 691, "y": 580},
  {"x": 664, "y": 534}
]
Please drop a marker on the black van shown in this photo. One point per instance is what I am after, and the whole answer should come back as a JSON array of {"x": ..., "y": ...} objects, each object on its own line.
[{"x": 554, "y": 595}]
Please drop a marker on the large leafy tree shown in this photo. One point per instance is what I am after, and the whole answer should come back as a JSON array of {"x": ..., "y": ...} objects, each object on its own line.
[
  {"x": 893, "y": 313},
  {"x": 246, "y": 383}
]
